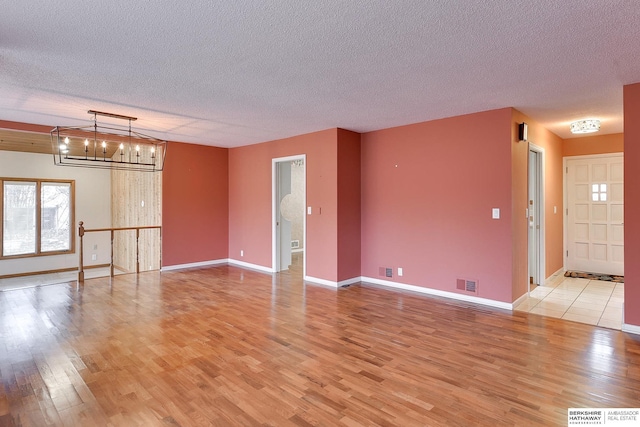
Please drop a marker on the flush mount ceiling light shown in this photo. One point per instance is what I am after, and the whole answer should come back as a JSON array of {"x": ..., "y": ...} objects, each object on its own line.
[
  {"x": 107, "y": 147},
  {"x": 585, "y": 126}
]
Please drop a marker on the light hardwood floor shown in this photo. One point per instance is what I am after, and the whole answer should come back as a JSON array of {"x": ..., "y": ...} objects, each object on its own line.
[{"x": 227, "y": 346}]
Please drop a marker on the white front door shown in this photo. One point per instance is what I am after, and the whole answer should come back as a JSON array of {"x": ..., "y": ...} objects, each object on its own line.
[{"x": 595, "y": 214}]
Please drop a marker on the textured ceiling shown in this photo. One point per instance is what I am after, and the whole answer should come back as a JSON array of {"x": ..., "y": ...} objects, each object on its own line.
[{"x": 229, "y": 73}]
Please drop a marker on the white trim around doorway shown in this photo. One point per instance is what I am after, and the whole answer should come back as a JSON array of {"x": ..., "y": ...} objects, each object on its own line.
[
  {"x": 274, "y": 230},
  {"x": 542, "y": 248}
]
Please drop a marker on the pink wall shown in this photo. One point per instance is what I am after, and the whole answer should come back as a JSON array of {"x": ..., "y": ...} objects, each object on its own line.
[
  {"x": 594, "y": 144},
  {"x": 349, "y": 212},
  {"x": 195, "y": 211},
  {"x": 250, "y": 189},
  {"x": 428, "y": 190},
  {"x": 631, "y": 204}
]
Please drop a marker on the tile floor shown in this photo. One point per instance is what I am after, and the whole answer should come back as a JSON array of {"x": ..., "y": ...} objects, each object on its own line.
[{"x": 594, "y": 302}]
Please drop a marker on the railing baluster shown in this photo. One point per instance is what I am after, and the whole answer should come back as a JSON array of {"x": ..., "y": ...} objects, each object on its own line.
[
  {"x": 137, "y": 250},
  {"x": 111, "y": 272},
  {"x": 160, "y": 255},
  {"x": 81, "y": 266}
]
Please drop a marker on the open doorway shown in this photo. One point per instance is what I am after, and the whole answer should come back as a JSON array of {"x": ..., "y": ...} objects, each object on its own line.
[
  {"x": 535, "y": 212},
  {"x": 593, "y": 242},
  {"x": 289, "y": 219}
]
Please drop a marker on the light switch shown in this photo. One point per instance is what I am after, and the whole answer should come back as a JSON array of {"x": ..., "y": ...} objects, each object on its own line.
[
  {"x": 495, "y": 213},
  {"x": 309, "y": 210},
  {"x": 555, "y": 210}
]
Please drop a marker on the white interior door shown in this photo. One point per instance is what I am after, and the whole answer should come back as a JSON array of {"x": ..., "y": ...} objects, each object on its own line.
[
  {"x": 535, "y": 164},
  {"x": 595, "y": 214}
]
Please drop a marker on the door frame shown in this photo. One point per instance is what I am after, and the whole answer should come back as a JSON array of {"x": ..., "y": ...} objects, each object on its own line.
[
  {"x": 541, "y": 213},
  {"x": 275, "y": 250},
  {"x": 565, "y": 196}
]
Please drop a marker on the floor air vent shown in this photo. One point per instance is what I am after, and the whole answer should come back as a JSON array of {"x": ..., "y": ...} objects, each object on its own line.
[{"x": 467, "y": 285}]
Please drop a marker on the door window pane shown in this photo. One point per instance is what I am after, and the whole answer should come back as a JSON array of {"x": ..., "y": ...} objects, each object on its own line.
[
  {"x": 56, "y": 216},
  {"x": 19, "y": 213},
  {"x": 599, "y": 192}
]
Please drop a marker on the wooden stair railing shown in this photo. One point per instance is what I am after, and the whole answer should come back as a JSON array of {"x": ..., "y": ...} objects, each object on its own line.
[{"x": 82, "y": 230}]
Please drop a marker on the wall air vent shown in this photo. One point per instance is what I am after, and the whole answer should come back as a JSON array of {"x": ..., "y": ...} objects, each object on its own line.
[
  {"x": 466, "y": 285},
  {"x": 385, "y": 272}
]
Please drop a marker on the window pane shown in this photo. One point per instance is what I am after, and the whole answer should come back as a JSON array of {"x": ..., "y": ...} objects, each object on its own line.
[
  {"x": 56, "y": 214},
  {"x": 19, "y": 227}
]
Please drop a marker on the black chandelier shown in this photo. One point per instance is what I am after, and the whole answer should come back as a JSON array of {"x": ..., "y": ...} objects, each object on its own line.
[{"x": 107, "y": 147}]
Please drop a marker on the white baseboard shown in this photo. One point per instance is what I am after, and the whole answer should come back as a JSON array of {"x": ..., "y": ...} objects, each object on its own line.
[
  {"x": 445, "y": 294},
  {"x": 218, "y": 262},
  {"x": 519, "y": 300},
  {"x": 632, "y": 329},
  {"x": 349, "y": 281},
  {"x": 250, "y": 266},
  {"x": 194, "y": 264},
  {"x": 330, "y": 283},
  {"x": 323, "y": 282},
  {"x": 560, "y": 272}
]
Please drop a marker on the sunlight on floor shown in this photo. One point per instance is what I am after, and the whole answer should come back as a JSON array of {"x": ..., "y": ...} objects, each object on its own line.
[
  {"x": 594, "y": 302},
  {"x": 49, "y": 279}
]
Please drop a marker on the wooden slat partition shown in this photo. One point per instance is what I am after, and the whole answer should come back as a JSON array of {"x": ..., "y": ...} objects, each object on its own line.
[{"x": 112, "y": 231}]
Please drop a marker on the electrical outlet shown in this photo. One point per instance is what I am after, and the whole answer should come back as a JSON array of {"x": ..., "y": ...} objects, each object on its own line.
[
  {"x": 94, "y": 257},
  {"x": 399, "y": 271},
  {"x": 241, "y": 252}
]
